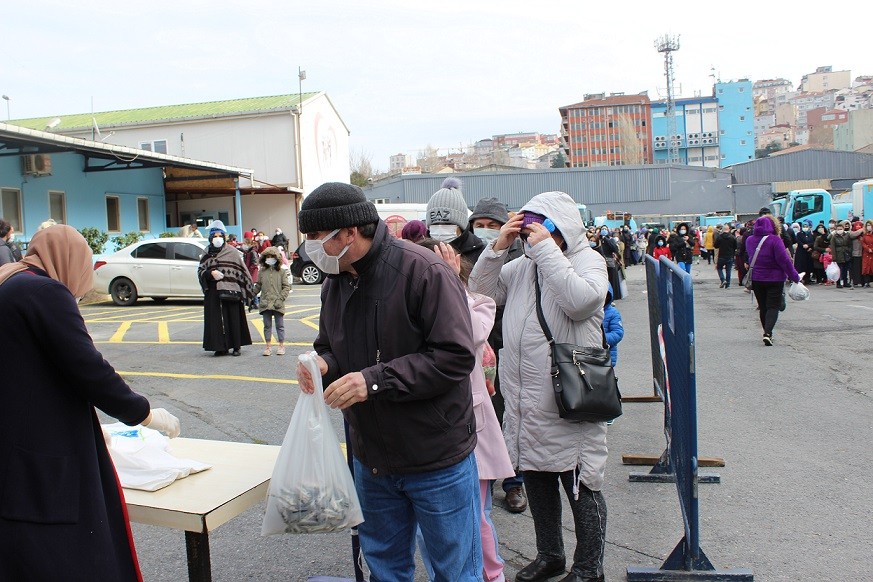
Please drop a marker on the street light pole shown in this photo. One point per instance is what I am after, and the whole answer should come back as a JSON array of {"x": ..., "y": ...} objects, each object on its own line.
[
  {"x": 7, "y": 98},
  {"x": 301, "y": 74}
]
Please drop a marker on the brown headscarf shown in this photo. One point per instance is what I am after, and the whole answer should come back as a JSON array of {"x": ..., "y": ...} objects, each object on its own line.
[{"x": 63, "y": 253}]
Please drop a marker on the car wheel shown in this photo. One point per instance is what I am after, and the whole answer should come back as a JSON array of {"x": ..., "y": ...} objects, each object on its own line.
[
  {"x": 123, "y": 292},
  {"x": 159, "y": 299},
  {"x": 311, "y": 275}
]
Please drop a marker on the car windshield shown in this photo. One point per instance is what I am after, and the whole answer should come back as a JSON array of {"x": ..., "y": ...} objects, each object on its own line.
[
  {"x": 151, "y": 251},
  {"x": 806, "y": 205}
]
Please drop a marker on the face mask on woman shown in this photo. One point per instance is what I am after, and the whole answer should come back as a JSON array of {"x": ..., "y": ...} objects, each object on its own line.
[
  {"x": 593, "y": 244},
  {"x": 270, "y": 262},
  {"x": 869, "y": 228},
  {"x": 604, "y": 232},
  {"x": 444, "y": 232},
  {"x": 840, "y": 231},
  {"x": 218, "y": 242},
  {"x": 805, "y": 229},
  {"x": 683, "y": 232},
  {"x": 660, "y": 243}
]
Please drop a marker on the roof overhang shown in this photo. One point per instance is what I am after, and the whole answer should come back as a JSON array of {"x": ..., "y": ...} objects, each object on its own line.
[{"x": 99, "y": 156}]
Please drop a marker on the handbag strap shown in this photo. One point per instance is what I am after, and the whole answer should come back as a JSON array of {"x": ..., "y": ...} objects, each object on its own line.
[
  {"x": 755, "y": 257},
  {"x": 542, "y": 318}
]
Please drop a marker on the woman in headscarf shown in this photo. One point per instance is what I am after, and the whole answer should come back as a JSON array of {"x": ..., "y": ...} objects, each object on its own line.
[
  {"x": 552, "y": 452},
  {"x": 820, "y": 247},
  {"x": 803, "y": 254},
  {"x": 227, "y": 290},
  {"x": 606, "y": 246},
  {"x": 62, "y": 511}
]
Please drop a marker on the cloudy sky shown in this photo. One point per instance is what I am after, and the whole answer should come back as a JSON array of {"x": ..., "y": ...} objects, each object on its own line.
[{"x": 403, "y": 74}]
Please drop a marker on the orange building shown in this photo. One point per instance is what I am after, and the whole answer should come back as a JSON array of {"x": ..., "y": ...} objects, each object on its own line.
[{"x": 612, "y": 130}]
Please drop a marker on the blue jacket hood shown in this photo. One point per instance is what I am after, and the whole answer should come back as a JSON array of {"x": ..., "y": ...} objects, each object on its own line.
[{"x": 608, "y": 294}]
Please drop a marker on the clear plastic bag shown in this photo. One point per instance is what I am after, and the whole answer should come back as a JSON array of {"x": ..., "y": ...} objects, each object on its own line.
[
  {"x": 312, "y": 490},
  {"x": 798, "y": 292},
  {"x": 833, "y": 272}
]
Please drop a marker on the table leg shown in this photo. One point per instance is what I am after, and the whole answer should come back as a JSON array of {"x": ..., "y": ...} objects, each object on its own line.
[{"x": 199, "y": 564}]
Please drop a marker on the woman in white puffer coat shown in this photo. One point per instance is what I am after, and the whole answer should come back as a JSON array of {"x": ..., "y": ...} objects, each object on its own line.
[{"x": 547, "y": 448}]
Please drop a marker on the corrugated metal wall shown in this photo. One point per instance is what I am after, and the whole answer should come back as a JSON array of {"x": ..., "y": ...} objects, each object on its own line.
[
  {"x": 805, "y": 165},
  {"x": 642, "y": 190}
]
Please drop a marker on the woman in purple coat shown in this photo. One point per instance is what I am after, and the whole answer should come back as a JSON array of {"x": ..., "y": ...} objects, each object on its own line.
[{"x": 770, "y": 270}]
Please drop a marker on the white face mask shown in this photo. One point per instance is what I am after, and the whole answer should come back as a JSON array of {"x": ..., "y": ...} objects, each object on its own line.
[
  {"x": 218, "y": 242},
  {"x": 840, "y": 231},
  {"x": 486, "y": 234},
  {"x": 327, "y": 263},
  {"x": 444, "y": 232},
  {"x": 683, "y": 231},
  {"x": 11, "y": 237},
  {"x": 270, "y": 262}
]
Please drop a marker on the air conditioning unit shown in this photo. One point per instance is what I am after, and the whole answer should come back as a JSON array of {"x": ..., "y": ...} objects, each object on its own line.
[{"x": 36, "y": 165}]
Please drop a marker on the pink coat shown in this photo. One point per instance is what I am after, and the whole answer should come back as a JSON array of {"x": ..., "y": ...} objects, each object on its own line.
[{"x": 492, "y": 458}]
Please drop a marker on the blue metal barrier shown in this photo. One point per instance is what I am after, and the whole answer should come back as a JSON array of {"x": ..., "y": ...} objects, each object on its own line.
[
  {"x": 662, "y": 472},
  {"x": 676, "y": 345}
]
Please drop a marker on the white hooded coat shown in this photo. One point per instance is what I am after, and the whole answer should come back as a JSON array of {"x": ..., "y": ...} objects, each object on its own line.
[{"x": 573, "y": 287}]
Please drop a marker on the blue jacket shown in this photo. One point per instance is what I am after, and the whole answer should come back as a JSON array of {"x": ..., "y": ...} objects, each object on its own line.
[{"x": 612, "y": 326}]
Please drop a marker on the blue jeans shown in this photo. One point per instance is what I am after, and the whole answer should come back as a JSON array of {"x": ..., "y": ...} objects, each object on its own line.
[
  {"x": 516, "y": 481},
  {"x": 444, "y": 503},
  {"x": 686, "y": 266},
  {"x": 724, "y": 268}
]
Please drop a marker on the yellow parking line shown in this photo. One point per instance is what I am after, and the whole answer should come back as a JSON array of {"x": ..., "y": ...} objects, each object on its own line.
[
  {"x": 210, "y": 377},
  {"x": 183, "y": 342},
  {"x": 163, "y": 333},
  {"x": 308, "y": 321},
  {"x": 302, "y": 310},
  {"x": 138, "y": 313},
  {"x": 259, "y": 325},
  {"x": 118, "y": 336},
  {"x": 186, "y": 311},
  {"x": 98, "y": 312}
]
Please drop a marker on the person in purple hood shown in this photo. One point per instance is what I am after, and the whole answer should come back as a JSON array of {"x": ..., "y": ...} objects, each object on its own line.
[{"x": 771, "y": 268}]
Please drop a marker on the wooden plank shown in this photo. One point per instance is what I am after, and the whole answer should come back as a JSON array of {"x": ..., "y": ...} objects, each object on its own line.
[{"x": 632, "y": 459}]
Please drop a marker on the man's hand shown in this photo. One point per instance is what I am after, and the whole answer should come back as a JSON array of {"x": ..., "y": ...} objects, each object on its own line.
[
  {"x": 304, "y": 378},
  {"x": 508, "y": 232},
  {"x": 538, "y": 233},
  {"x": 348, "y": 390}
]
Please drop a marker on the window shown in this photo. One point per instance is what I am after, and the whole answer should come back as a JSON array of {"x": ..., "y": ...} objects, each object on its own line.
[
  {"x": 142, "y": 212},
  {"x": 151, "y": 251},
  {"x": 742, "y": 142},
  {"x": 57, "y": 207},
  {"x": 806, "y": 205},
  {"x": 10, "y": 207},
  {"x": 742, "y": 117},
  {"x": 187, "y": 252},
  {"x": 113, "y": 214},
  {"x": 159, "y": 146}
]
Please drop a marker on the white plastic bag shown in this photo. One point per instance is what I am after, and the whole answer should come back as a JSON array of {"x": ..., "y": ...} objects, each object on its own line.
[
  {"x": 798, "y": 292},
  {"x": 312, "y": 490},
  {"x": 833, "y": 272},
  {"x": 143, "y": 460}
]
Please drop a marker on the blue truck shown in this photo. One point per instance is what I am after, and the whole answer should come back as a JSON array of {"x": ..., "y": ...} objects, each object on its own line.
[{"x": 813, "y": 204}]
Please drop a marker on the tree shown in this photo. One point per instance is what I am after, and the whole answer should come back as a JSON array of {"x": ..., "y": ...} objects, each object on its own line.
[
  {"x": 631, "y": 145},
  {"x": 559, "y": 161},
  {"x": 429, "y": 159},
  {"x": 773, "y": 146},
  {"x": 361, "y": 166}
]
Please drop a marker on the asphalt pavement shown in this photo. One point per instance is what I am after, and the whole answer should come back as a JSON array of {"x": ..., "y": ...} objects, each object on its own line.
[{"x": 792, "y": 421}]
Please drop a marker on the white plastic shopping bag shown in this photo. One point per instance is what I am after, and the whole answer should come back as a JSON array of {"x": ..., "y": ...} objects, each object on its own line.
[
  {"x": 833, "y": 272},
  {"x": 798, "y": 291},
  {"x": 312, "y": 490}
]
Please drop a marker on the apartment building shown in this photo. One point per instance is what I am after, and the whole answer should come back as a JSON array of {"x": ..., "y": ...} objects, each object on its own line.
[{"x": 603, "y": 130}]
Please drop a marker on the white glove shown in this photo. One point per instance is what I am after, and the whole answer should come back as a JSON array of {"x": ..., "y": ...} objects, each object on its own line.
[
  {"x": 217, "y": 275},
  {"x": 165, "y": 422}
]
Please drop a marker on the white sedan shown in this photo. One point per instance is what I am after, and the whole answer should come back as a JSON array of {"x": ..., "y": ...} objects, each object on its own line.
[{"x": 156, "y": 268}]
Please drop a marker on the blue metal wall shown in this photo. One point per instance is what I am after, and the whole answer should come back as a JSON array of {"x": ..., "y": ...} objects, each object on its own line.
[
  {"x": 86, "y": 194},
  {"x": 736, "y": 118}
]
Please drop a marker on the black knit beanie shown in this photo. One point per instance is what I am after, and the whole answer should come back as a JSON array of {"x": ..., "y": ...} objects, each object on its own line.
[{"x": 335, "y": 205}]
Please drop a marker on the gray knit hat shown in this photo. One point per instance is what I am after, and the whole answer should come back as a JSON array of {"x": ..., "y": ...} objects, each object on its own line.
[
  {"x": 335, "y": 205},
  {"x": 490, "y": 208},
  {"x": 447, "y": 205}
]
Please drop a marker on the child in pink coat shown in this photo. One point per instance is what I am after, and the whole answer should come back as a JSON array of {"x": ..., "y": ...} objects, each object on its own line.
[
  {"x": 826, "y": 259},
  {"x": 492, "y": 458}
]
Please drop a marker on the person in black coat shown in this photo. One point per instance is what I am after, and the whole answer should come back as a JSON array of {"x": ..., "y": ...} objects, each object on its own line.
[
  {"x": 725, "y": 242},
  {"x": 682, "y": 246},
  {"x": 803, "y": 254},
  {"x": 446, "y": 219},
  {"x": 62, "y": 510},
  {"x": 227, "y": 290}
]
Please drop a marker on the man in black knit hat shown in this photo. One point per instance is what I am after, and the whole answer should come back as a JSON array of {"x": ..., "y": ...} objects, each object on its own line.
[{"x": 395, "y": 348}]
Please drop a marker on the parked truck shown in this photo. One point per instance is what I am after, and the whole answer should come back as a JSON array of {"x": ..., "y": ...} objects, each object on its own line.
[
  {"x": 813, "y": 204},
  {"x": 862, "y": 199},
  {"x": 614, "y": 220}
]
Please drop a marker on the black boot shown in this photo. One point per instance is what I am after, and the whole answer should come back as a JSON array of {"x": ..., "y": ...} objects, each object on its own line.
[{"x": 541, "y": 569}]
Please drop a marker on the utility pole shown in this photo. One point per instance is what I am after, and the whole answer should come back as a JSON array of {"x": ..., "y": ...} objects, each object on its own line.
[
  {"x": 668, "y": 45},
  {"x": 301, "y": 74}
]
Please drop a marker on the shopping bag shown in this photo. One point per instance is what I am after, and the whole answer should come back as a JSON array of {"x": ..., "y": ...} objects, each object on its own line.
[
  {"x": 312, "y": 490},
  {"x": 833, "y": 272},
  {"x": 798, "y": 292}
]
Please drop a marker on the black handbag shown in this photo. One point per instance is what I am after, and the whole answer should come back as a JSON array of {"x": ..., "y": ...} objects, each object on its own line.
[
  {"x": 229, "y": 295},
  {"x": 582, "y": 377}
]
